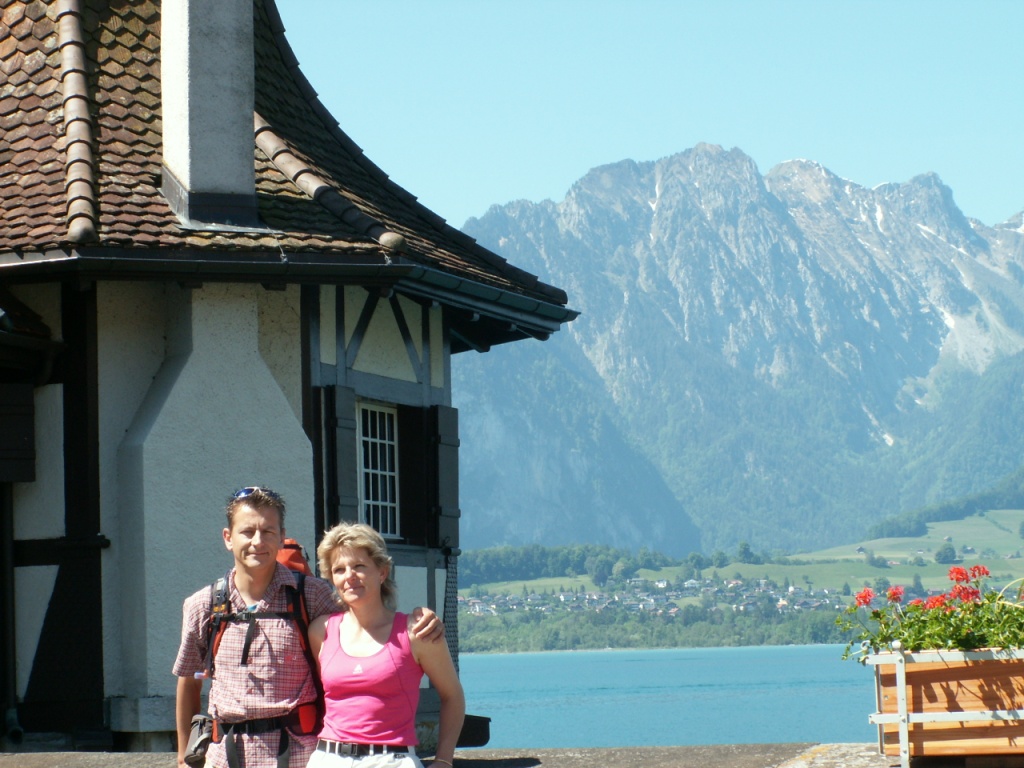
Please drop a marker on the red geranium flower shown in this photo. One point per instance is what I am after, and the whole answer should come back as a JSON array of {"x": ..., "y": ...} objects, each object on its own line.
[
  {"x": 935, "y": 601},
  {"x": 958, "y": 574},
  {"x": 864, "y": 597},
  {"x": 965, "y": 594},
  {"x": 895, "y": 594}
]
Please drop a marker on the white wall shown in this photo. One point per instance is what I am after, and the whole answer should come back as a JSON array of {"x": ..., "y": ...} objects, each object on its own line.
[
  {"x": 213, "y": 419},
  {"x": 440, "y": 356},
  {"x": 412, "y": 583},
  {"x": 131, "y": 320},
  {"x": 383, "y": 351}
]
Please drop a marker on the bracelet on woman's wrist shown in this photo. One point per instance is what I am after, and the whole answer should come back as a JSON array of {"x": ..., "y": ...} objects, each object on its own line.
[{"x": 439, "y": 760}]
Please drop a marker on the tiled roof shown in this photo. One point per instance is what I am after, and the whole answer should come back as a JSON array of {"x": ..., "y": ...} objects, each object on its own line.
[{"x": 81, "y": 160}]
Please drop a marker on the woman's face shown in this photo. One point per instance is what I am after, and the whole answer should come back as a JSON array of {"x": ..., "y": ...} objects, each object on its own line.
[{"x": 356, "y": 577}]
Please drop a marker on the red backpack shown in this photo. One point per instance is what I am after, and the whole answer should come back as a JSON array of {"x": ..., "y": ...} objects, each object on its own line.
[{"x": 293, "y": 556}]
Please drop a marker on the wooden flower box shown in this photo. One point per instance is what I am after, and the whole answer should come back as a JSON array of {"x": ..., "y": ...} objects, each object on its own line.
[{"x": 960, "y": 703}]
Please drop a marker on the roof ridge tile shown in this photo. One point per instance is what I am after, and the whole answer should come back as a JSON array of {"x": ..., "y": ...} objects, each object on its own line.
[
  {"x": 318, "y": 189},
  {"x": 80, "y": 185}
]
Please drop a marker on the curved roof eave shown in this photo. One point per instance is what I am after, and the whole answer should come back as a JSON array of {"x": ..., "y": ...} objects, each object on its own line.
[{"x": 377, "y": 269}]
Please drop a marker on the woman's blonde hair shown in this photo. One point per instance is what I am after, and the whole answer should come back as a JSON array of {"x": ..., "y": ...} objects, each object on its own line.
[{"x": 359, "y": 536}]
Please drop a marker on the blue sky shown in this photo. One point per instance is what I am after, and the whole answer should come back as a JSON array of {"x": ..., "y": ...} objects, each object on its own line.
[{"x": 468, "y": 103}]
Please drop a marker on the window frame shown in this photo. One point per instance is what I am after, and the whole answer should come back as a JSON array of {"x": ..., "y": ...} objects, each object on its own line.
[{"x": 379, "y": 468}]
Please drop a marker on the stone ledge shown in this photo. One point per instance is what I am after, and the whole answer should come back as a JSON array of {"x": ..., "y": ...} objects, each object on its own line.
[{"x": 704, "y": 756}]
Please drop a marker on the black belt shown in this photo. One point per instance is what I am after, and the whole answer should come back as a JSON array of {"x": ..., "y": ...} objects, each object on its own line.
[
  {"x": 228, "y": 731},
  {"x": 252, "y": 727},
  {"x": 357, "y": 750}
]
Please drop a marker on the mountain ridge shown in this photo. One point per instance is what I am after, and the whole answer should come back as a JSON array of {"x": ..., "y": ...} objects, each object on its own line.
[{"x": 775, "y": 349}]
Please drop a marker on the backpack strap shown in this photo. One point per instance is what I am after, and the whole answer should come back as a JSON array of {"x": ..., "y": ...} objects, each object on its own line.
[
  {"x": 220, "y": 615},
  {"x": 311, "y": 713},
  {"x": 297, "y": 608}
]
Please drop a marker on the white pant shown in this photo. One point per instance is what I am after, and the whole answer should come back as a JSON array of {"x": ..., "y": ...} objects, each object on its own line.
[{"x": 387, "y": 760}]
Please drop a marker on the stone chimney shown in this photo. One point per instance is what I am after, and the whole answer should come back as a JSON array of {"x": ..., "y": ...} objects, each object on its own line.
[{"x": 208, "y": 83}]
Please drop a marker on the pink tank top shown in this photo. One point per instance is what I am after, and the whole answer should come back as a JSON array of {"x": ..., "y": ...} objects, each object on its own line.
[{"x": 370, "y": 699}]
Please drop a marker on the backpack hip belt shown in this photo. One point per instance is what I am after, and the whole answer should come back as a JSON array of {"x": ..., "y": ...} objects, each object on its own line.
[{"x": 301, "y": 720}]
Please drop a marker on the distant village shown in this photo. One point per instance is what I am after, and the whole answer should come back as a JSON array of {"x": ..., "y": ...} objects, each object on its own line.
[{"x": 661, "y": 597}]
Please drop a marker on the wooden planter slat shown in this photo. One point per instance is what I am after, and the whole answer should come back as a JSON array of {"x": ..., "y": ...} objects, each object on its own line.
[{"x": 965, "y": 704}]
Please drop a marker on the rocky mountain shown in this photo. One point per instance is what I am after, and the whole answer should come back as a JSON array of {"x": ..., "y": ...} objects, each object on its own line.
[{"x": 780, "y": 359}]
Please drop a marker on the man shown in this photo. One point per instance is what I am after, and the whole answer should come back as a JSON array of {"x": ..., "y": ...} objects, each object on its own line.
[{"x": 261, "y": 677}]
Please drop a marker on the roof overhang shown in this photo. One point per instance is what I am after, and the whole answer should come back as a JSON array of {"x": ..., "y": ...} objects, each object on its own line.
[{"x": 480, "y": 315}]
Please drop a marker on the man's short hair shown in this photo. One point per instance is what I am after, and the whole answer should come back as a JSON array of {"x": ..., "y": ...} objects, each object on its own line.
[{"x": 257, "y": 498}]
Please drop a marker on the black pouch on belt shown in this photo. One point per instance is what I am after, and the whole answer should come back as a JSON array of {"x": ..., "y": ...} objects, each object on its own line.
[{"x": 198, "y": 740}]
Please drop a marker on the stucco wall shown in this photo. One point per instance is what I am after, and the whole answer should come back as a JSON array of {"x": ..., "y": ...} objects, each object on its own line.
[
  {"x": 280, "y": 342},
  {"x": 440, "y": 356},
  {"x": 131, "y": 330},
  {"x": 383, "y": 352},
  {"x": 213, "y": 419},
  {"x": 328, "y": 346}
]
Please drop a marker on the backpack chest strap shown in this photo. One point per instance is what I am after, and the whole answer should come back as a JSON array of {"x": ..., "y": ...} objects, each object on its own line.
[
  {"x": 221, "y": 614},
  {"x": 250, "y": 619}
]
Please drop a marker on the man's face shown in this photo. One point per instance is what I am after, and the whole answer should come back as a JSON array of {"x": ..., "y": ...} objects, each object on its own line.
[{"x": 255, "y": 537}]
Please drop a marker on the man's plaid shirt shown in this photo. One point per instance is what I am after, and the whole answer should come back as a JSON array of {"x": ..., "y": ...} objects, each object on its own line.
[{"x": 277, "y": 677}]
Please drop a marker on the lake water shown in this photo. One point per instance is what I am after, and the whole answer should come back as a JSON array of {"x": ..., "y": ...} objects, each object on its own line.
[{"x": 769, "y": 694}]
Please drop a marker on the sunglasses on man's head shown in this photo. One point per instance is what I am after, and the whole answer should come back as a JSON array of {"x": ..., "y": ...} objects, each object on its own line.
[{"x": 242, "y": 493}]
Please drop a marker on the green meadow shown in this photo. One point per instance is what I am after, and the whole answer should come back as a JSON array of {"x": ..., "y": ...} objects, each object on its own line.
[{"x": 993, "y": 539}]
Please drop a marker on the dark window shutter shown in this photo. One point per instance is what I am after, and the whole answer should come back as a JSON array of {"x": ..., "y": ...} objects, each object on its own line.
[
  {"x": 446, "y": 426},
  {"x": 428, "y": 469},
  {"x": 346, "y": 456},
  {"x": 17, "y": 434},
  {"x": 415, "y": 470}
]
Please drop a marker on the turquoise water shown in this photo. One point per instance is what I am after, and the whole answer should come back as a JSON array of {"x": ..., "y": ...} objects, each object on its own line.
[{"x": 670, "y": 697}]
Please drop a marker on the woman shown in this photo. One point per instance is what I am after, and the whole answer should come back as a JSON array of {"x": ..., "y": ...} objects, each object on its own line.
[{"x": 371, "y": 665}]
